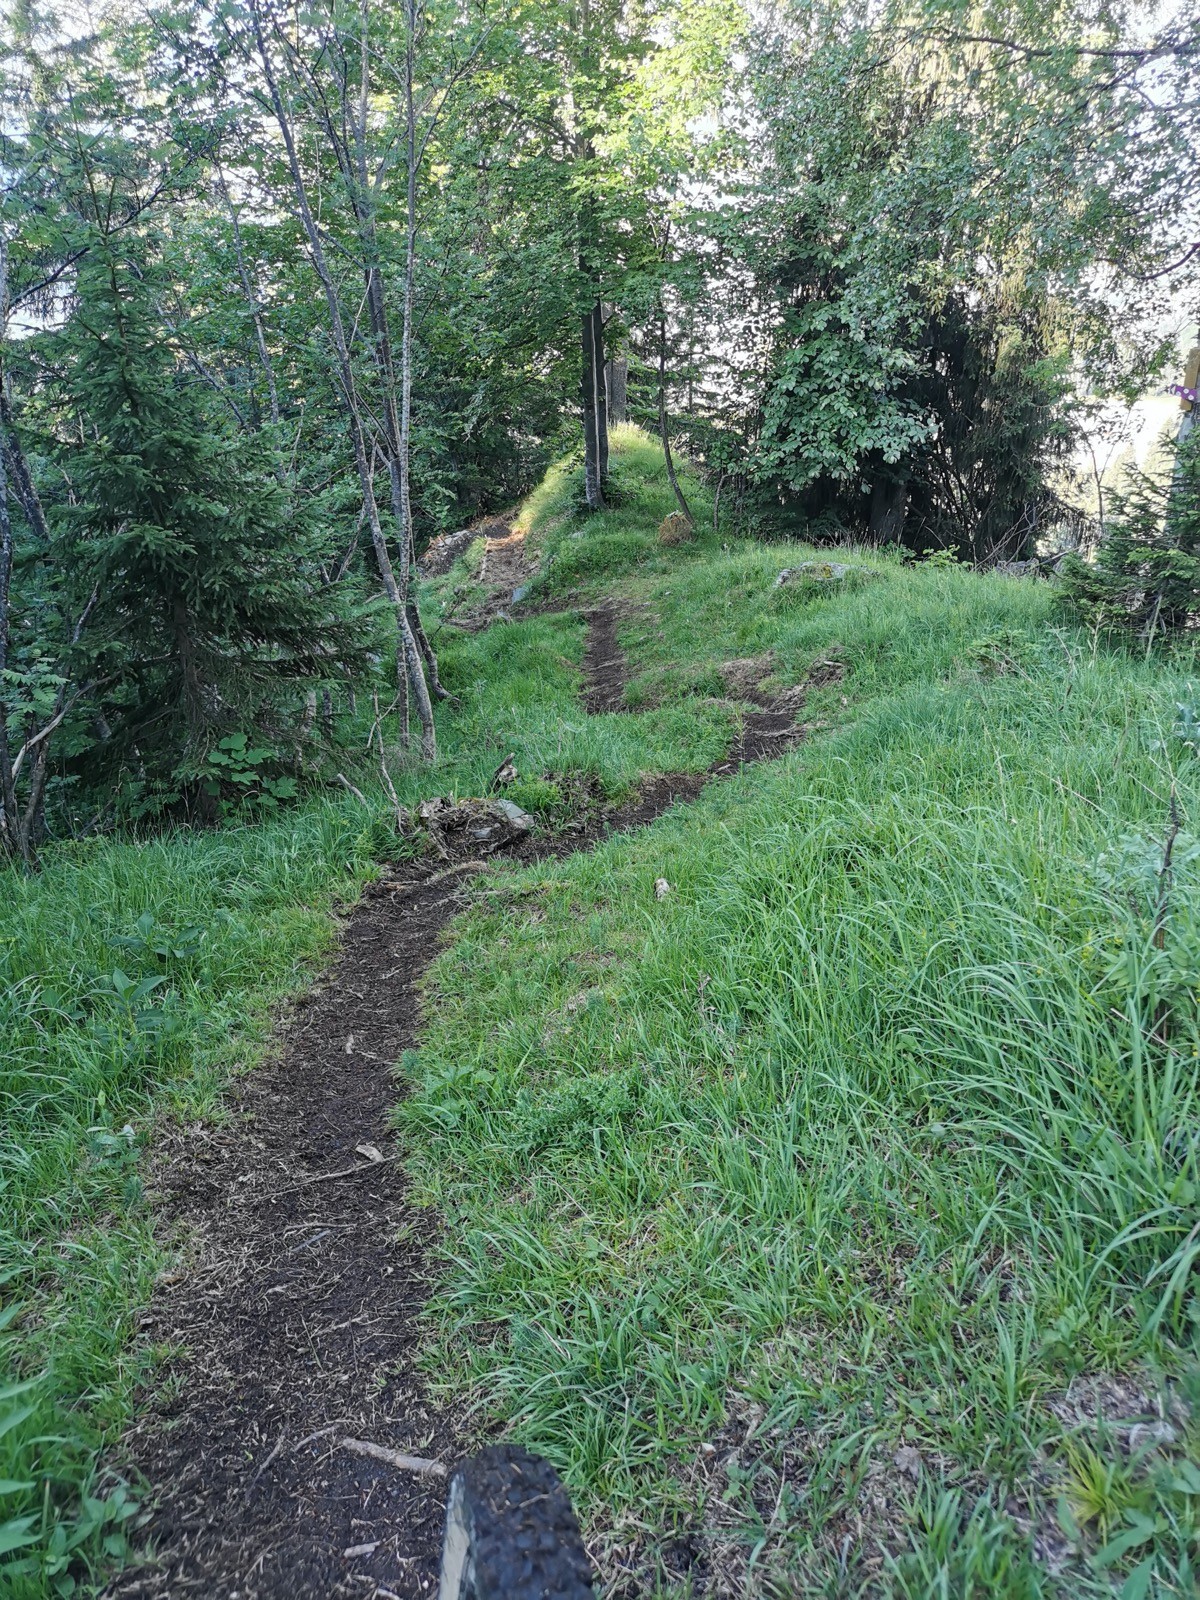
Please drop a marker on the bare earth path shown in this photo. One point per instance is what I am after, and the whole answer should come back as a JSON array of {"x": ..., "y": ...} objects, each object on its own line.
[{"x": 299, "y": 1313}]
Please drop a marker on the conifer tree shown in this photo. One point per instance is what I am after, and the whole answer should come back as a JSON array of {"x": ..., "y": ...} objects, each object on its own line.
[
  {"x": 1146, "y": 578},
  {"x": 210, "y": 608}
]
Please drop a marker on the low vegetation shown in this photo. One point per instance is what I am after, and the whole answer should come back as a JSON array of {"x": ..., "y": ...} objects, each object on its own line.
[
  {"x": 834, "y": 1213},
  {"x": 830, "y": 1214}
]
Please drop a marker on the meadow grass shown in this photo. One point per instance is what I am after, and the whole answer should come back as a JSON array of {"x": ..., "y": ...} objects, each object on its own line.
[
  {"x": 871, "y": 1135},
  {"x": 870, "y": 1140},
  {"x": 138, "y": 974}
]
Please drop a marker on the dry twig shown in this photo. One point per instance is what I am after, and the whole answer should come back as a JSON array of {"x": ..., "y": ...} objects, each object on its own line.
[{"x": 394, "y": 1458}]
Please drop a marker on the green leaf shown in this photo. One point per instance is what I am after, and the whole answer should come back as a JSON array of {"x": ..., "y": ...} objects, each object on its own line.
[
  {"x": 12, "y": 1419},
  {"x": 1137, "y": 1584},
  {"x": 17, "y": 1532},
  {"x": 1120, "y": 1547}
]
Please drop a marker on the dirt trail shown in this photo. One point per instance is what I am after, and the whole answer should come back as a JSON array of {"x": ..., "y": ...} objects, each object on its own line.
[
  {"x": 766, "y": 731},
  {"x": 507, "y": 566},
  {"x": 299, "y": 1315}
]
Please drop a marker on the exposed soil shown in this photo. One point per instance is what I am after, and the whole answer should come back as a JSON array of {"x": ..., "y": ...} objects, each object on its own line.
[
  {"x": 766, "y": 731},
  {"x": 298, "y": 1314},
  {"x": 603, "y": 662},
  {"x": 507, "y": 567}
]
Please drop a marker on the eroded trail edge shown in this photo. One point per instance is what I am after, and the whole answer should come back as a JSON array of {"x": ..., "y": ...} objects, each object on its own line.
[{"x": 299, "y": 1312}]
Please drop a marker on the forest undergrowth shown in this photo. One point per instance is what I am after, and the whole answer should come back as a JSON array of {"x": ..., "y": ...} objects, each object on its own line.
[{"x": 827, "y": 1217}]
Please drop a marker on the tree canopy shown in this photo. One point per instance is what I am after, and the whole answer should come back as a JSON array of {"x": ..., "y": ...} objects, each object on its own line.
[{"x": 285, "y": 293}]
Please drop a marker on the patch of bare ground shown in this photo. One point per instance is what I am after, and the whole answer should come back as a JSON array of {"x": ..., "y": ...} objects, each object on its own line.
[
  {"x": 297, "y": 1312},
  {"x": 768, "y": 727},
  {"x": 604, "y": 670},
  {"x": 746, "y": 1488},
  {"x": 507, "y": 566}
]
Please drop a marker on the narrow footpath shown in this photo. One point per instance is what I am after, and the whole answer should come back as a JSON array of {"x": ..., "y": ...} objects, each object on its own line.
[{"x": 297, "y": 1310}]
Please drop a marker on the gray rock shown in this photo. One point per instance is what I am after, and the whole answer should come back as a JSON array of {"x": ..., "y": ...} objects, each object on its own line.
[
  {"x": 520, "y": 592},
  {"x": 472, "y": 827},
  {"x": 520, "y": 820},
  {"x": 821, "y": 572}
]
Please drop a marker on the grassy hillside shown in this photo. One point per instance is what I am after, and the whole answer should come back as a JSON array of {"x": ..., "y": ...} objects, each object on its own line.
[
  {"x": 784, "y": 1209},
  {"x": 826, "y": 1219}
]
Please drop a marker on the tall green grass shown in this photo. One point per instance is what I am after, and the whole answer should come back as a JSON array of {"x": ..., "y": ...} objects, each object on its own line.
[
  {"x": 877, "y": 1129},
  {"x": 137, "y": 974}
]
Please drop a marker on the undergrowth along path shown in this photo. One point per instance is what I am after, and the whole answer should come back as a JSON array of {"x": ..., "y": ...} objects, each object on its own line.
[{"x": 300, "y": 1315}]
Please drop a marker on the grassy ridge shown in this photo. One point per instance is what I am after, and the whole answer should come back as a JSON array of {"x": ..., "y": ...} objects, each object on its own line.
[
  {"x": 860, "y": 1139},
  {"x": 871, "y": 1135},
  {"x": 135, "y": 976}
]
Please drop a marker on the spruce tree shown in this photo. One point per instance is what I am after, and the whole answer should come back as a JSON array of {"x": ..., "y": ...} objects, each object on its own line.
[
  {"x": 210, "y": 609},
  {"x": 1146, "y": 578}
]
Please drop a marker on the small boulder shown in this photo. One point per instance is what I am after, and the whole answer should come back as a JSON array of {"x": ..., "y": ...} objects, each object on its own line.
[
  {"x": 819, "y": 573},
  {"x": 459, "y": 828}
]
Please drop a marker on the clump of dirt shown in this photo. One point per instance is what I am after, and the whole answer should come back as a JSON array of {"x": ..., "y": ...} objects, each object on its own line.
[
  {"x": 675, "y": 529},
  {"x": 743, "y": 675}
]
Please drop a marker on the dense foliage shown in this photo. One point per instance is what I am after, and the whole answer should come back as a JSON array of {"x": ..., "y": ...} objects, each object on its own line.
[
  {"x": 368, "y": 269},
  {"x": 1147, "y": 574}
]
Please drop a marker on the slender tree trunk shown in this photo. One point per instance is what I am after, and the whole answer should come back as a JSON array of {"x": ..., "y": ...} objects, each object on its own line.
[
  {"x": 18, "y": 467},
  {"x": 664, "y": 431},
  {"x": 33, "y": 820},
  {"x": 397, "y": 423},
  {"x": 193, "y": 696},
  {"x": 408, "y": 659},
  {"x": 598, "y": 368},
  {"x": 9, "y": 821},
  {"x": 592, "y": 477},
  {"x": 616, "y": 384},
  {"x": 260, "y": 332},
  {"x": 9, "y": 818}
]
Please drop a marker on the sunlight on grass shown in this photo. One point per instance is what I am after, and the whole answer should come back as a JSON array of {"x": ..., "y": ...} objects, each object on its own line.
[
  {"x": 875, "y": 1131},
  {"x": 855, "y": 1147}
]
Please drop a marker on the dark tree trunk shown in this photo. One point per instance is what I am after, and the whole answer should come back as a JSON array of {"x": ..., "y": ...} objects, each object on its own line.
[
  {"x": 194, "y": 701},
  {"x": 592, "y": 470},
  {"x": 664, "y": 429},
  {"x": 9, "y": 819},
  {"x": 616, "y": 383},
  {"x": 599, "y": 365},
  {"x": 889, "y": 508}
]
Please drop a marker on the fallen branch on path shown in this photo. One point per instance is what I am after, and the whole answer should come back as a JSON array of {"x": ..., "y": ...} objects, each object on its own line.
[
  {"x": 394, "y": 1458},
  {"x": 328, "y": 1177}
]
